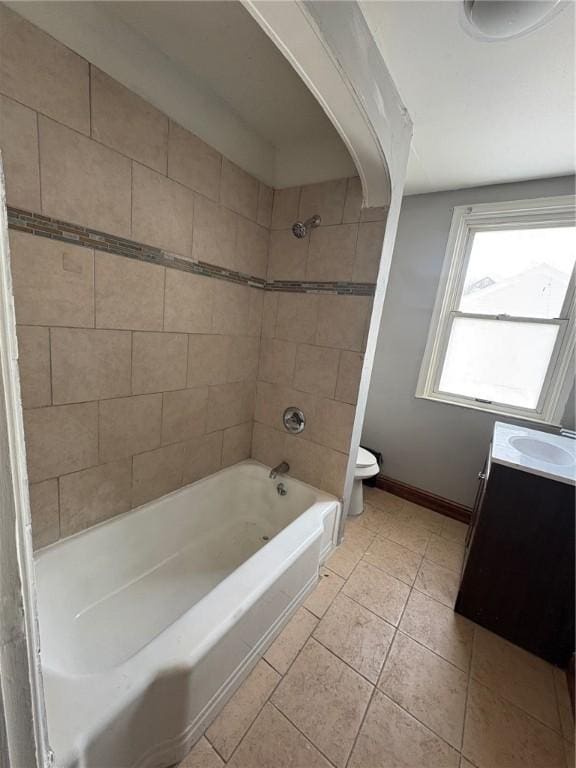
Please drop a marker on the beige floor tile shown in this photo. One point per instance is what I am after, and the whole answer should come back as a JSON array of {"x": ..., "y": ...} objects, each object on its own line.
[
  {"x": 325, "y": 699},
  {"x": 328, "y": 587},
  {"x": 466, "y": 763},
  {"x": 287, "y": 645},
  {"x": 383, "y": 500},
  {"x": 393, "y": 558},
  {"x": 564, "y": 705},
  {"x": 437, "y": 582},
  {"x": 499, "y": 735},
  {"x": 445, "y": 552},
  {"x": 372, "y": 518},
  {"x": 358, "y": 537},
  {"x": 516, "y": 675},
  {"x": 202, "y": 756},
  {"x": 344, "y": 559},
  {"x": 378, "y": 591},
  {"x": 391, "y": 738},
  {"x": 356, "y": 635},
  {"x": 427, "y": 686},
  {"x": 427, "y": 518},
  {"x": 237, "y": 716},
  {"x": 273, "y": 742},
  {"x": 454, "y": 530},
  {"x": 413, "y": 537},
  {"x": 438, "y": 628}
]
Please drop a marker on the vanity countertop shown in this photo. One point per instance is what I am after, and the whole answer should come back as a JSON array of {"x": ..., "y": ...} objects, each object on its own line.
[{"x": 531, "y": 450}]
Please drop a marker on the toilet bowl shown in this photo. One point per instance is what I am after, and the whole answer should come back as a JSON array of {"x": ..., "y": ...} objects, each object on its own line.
[{"x": 366, "y": 466}]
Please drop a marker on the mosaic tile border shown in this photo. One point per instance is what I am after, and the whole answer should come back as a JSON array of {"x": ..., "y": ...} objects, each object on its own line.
[{"x": 55, "y": 229}]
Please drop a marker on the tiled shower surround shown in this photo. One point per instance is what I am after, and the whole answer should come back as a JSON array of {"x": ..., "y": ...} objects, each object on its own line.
[{"x": 166, "y": 314}]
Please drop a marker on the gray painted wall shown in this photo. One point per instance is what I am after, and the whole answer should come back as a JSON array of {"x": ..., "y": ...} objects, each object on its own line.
[{"x": 436, "y": 447}]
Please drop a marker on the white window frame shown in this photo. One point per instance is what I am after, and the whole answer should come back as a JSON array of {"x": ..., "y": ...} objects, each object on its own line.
[{"x": 466, "y": 221}]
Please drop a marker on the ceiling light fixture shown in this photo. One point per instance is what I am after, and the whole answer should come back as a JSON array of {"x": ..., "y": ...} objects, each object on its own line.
[{"x": 493, "y": 20}]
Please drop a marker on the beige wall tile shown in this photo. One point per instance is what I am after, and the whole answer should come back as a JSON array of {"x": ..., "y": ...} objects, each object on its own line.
[
  {"x": 214, "y": 237},
  {"x": 353, "y": 203},
  {"x": 306, "y": 459},
  {"x": 208, "y": 359},
  {"x": 333, "y": 422},
  {"x": 127, "y": 123},
  {"x": 285, "y": 207},
  {"x": 129, "y": 293},
  {"x": 60, "y": 439},
  {"x": 277, "y": 360},
  {"x": 40, "y": 72},
  {"x": 374, "y": 214},
  {"x": 93, "y": 495},
  {"x": 256, "y": 302},
  {"x": 243, "y": 358},
  {"x": 332, "y": 253},
  {"x": 268, "y": 445},
  {"x": 368, "y": 252},
  {"x": 269, "y": 312},
  {"x": 82, "y": 181},
  {"x": 53, "y": 282},
  {"x": 239, "y": 190},
  {"x": 237, "y": 443},
  {"x": 44, "y": 510},
  {"x": 316, "y": 369},
  {"x": 230, "y": 404},
  {"x": 325, "y": 199},
  {"x": 251, "y": 248},
  {"x": 232, "y": 309},
  {"x": 234, "y": 720},
  {"x": 89, "y": 364},
  {"x": 334, "y": 472},
  {"x": 265, "y": 202},
  {"x": 159, "y": 362},
  {"x": 202, "y": 456},
  {"x": 273, "y": 399},
  {"x": 349, "y": 374},
  {"x": 34, "y": 366},
  {"x": 193, "y": 163},
  {"x": 188, "y": 302},
  {"x": 184, "y": 414},
  {"x": 129, "y": 425},
  {"x": 19, "y": 145},
  {"x": 297, "y": 317},
  {"x": 157, "y": 473},
  {"x": 162, "y": 211},
  {"x": 342, "y": 321},
  {"x": 288, "y": 256}
]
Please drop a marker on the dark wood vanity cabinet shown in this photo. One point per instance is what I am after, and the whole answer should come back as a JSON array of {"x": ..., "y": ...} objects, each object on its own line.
[{"x": 518, "y": 573}]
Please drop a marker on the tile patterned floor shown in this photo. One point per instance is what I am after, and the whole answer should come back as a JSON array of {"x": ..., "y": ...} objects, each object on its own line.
[{"x": 375, "y": 670}]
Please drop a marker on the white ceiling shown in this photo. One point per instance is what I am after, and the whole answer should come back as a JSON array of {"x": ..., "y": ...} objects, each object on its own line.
[{"x": 483, "y": 112}]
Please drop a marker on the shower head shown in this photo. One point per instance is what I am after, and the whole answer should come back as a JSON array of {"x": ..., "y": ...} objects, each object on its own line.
[{"x": 300, "y": 229}]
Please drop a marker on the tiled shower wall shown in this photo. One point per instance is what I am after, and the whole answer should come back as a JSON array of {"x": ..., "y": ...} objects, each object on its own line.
[{"x": 139, "y": 377}]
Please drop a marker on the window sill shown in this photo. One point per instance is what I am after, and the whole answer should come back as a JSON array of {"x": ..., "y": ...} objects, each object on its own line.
[{"x": 533, "y": 418}]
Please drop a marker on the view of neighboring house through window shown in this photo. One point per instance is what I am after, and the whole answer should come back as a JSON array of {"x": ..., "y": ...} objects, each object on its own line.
[{"x": 502, "y": 338}]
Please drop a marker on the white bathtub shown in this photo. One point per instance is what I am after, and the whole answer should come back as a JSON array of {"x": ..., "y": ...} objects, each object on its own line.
[{"x": 149, "y": 622}]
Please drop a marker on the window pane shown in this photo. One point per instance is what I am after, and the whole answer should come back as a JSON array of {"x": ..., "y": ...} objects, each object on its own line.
[
  {"x": 521, "y": 272},
  {"x": 498, "y": 360}
]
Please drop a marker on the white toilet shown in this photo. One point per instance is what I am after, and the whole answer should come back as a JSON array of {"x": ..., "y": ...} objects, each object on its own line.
[{"x": 366, "y": 466}]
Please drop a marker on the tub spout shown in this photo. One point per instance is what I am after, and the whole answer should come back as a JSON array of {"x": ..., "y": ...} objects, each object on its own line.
[{"x": 281, "y": 469}]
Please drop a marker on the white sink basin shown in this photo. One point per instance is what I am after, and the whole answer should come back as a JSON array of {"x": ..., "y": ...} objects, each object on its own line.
[{"x": 542, "y": 451}]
